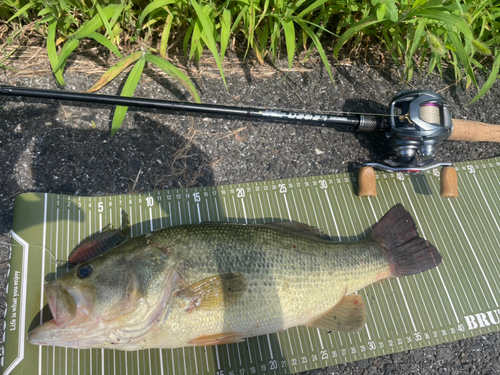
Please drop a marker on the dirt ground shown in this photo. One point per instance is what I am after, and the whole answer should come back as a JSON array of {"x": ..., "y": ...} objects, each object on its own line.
[{"x": 63, "y": 147}]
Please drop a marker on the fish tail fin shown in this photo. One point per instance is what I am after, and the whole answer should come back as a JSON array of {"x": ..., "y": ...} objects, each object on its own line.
[{"x": 408, "y": 253}]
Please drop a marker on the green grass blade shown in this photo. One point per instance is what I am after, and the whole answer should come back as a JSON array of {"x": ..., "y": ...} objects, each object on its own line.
[
  {"x": 105, "y": 42},
  {"x": 448, "y": 19},
  {"x": 311, "y": 8},
  {"x": 354, "y": 29},
  {"x": 318, "y": 46},
  {"x": 104, "y": 19},
  {"x": 51, "y": 51},
  {"x": 225, "y": 22},
  {"x": 21, "y": 11},
  {"x": 462, "y": 55},
  {"x": 152, "y": 7},
  {"x": 128, "y": 90},
  {"x": 491, "y": 78},
  {"x": 174, "y": 72},
  {"x": 66, "y": 50},
  {"x": 289, "y": 31},
  {"x": 112, "y": 72},
  {"x": 96, "y": 22},
  {"x": 208, "y": 33},
  {"x": 164, "y": 36}
]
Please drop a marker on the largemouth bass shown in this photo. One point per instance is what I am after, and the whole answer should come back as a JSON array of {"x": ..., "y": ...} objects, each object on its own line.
[{"x": 208, "y": 284}]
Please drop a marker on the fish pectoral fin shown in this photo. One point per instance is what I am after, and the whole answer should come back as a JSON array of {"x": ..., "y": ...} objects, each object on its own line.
[
  {"x": 215, "y": 292},
  {"x": 349, "y": 315},
  {"x": 219, "y": 339}
]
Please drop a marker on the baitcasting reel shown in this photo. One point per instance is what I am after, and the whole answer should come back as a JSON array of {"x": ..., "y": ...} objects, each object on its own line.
[{"x": 418, "y": 121}]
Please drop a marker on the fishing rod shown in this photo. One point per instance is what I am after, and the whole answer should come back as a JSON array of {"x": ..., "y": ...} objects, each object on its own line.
[{"x": 417, "y": 122}]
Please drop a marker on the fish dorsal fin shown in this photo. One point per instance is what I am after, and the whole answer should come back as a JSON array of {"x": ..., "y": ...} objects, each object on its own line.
[
  {"x": 349, "y": 315},
  {"x": 304, "y": 229},
  {"x": 214, "y": 292}
]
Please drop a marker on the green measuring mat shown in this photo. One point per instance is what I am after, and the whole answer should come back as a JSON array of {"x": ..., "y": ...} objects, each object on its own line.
[{"x": 458, "y": 299}]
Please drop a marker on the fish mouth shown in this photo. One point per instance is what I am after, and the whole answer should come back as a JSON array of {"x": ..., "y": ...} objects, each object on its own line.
[
  {"x": 69, "y": 306},
  {"x": 61, "y": 304}
]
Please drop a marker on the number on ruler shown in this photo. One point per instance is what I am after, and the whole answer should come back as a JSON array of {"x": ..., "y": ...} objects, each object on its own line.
[
  {"x": 100, "y": 206},
  {"x": 282, "y": 188},
  {"x": 324, "y": 354},
  {"x": 241, "y": 192},
  {"x": 314, "y": 357},
  {"x": 401, "y": 176},
  {"x": 196, "y": 197},
  {"x": 273, "y": 365},
  {"x": 436, "y": 172},
  {"x": 323, "y": 184},
  {"x": 418, "y": 336},
  {"x": 242, "y": 371},
  {"x": 371, "y": 345},
  {"x": 220, "y": 372},
  {"x": 263, "y": 367},
  {"x": 471, "y": 169},
  {"x": 304, "y": 359},
  {"x": 149, "y": 201}
]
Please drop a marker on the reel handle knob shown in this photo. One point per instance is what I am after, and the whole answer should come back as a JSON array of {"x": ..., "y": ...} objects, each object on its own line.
[
  {"x": 367, "y": 182},
  {"x": 449, "y": 184},
  {"x": 474, "y": 131}
]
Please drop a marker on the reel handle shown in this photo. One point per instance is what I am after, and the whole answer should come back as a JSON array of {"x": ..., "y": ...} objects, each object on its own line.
[{"x": 474, "y": 131}]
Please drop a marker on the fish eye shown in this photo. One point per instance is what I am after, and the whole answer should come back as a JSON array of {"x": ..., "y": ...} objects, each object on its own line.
[{"x": 84, "y": 270}]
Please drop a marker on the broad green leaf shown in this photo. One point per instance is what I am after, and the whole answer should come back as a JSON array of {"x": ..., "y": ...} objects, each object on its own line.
[
  {"x": 21, "y": 11},
  {"x": 174, "y": 72},
  {"x": 105, "y": 42},
  {"x": 128, "y": 90},
  {"x": 354, "y": 29},
  {"x": 491, "y": 78},
  {"x": 208, "y": 31},
  {"x": 152, "y": 7},
  {"x": 381, "y": 12},
  {"x": 44, "y": 11},
  {"x": 66, "y": 50},
  {"x": 96, "y": 22},
  {"x": 164, "y": 36},
  {"x": 462, "y": 55},
  {"x": 289, "y": 31},
  {"x": 392, "y": 12},
  {"x": 225, "y": 22},
  {"x": 112, "y": 72},
  {"x": 104, "y": 19},
  {"x": 52, "y": 53}
]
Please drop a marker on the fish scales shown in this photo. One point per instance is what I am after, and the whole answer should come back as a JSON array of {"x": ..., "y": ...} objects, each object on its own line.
[
  {"x": 213, "y": 283},
  {"x": 291, "y": 277}
]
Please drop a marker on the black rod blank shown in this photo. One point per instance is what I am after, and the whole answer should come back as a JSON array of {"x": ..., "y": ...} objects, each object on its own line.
[{"x": 326, "y": 120}]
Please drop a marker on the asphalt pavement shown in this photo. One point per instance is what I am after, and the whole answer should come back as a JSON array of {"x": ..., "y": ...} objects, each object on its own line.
[{"x": 63, "y": 147}]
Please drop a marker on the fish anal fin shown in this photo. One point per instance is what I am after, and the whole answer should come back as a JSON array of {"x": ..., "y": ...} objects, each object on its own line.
[
  {"x": 218, "y": 339},
  {"x": 349, "y": 315},
  {"x": 214, "y": 292}
]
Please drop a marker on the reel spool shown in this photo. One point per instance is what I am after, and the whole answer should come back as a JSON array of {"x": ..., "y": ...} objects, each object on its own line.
[{"x": 418, "y": 121}]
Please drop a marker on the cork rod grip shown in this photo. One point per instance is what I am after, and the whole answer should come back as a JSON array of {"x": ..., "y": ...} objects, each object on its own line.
[{"x": 473, "y": 131}]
